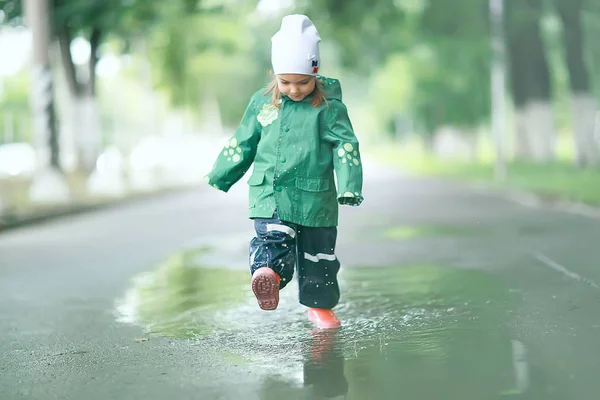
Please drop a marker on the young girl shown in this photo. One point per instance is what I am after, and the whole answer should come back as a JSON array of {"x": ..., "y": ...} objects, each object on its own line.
[{"x": 297, "y": 133}]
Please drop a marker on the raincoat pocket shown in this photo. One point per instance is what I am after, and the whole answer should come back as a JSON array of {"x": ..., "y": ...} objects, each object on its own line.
[
  {"x": 257, "y": 187},
  {"x": 257, "y": 178},
  {"x": 312, "y": 184}
]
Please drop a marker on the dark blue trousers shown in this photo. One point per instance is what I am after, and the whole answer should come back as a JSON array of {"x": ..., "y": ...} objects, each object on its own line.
[{"x": 286, "y": 247}]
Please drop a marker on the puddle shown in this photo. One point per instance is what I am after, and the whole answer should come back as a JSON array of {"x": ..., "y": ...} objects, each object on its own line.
[
  {"x": 420, "y": 331},
  {"x": 179, "y": 299}
]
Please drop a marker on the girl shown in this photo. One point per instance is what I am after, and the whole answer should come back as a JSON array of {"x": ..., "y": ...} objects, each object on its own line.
[{"x": 297, "y": 133}]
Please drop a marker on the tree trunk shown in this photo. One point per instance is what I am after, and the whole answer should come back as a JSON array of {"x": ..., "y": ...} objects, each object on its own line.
[
  {"x": 530, "y": 81},
  {"x": 48, "y": 184},
  {"x": 64, "y": 40},
  {"x": 517, "y": 64},
  {"x": 84, "y": 110},
  {"x": 9, "y": 127},
  {"x": 583, "y": 103},
  {"x": 86, "y": 120},
  {"x": 521, "y": 146},
  {"x": 498, "y": 86},
  {"x": 42, "y": 88},
  {"x": 95, "y": 40}
]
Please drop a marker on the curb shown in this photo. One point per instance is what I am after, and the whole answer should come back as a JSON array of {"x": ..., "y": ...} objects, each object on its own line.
[
  {"x": 557, "y": 203},
  {"x": 529, "y": 199},
  {"x": 523, "y": 197},
  {"x": 13, "y": 221}
]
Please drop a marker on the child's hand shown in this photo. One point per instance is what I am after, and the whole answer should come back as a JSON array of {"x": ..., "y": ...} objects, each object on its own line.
[
  {"x": 206, "y": 182},
  {"x": 350, "y": 201}
]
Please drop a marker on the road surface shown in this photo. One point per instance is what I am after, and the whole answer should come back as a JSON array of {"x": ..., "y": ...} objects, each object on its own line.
[{"x": 447, "y": 293}]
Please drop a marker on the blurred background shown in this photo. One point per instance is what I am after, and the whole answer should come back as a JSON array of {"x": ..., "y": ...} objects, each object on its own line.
[
  {"x": 448, "y": 291},
  {"x": 103, "y": 100}
]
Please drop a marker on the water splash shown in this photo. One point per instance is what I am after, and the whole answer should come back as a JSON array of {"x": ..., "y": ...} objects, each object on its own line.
[{"x": 390, "y": 315}]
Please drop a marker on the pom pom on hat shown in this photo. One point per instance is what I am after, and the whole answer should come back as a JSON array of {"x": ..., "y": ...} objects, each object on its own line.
[{"x": 295, "y": 47}]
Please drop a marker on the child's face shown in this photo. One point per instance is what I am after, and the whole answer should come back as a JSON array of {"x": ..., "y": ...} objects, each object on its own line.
[{"x": 295, "y": 86}]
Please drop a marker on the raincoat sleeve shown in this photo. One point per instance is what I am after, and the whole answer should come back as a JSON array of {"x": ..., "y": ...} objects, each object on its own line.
[
  {"x": 238, "y": 154},
  {"x": 346, "y": 155}
]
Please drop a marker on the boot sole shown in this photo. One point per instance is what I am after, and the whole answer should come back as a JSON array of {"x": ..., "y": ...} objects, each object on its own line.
[{"x": 266, "y": 290}]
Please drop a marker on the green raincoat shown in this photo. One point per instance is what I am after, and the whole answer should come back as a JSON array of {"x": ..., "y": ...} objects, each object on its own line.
[{"x": 295, "y": 149}]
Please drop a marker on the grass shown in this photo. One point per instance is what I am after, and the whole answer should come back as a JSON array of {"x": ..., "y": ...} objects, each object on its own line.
[
  {"x": 411, "y": 232},
  {"x": 558, "y": 180}
]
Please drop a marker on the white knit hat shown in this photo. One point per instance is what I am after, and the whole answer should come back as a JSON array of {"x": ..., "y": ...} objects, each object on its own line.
[{"x": 295, "y": 47}]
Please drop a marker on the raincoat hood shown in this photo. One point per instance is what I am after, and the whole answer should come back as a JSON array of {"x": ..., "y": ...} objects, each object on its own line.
[{"x": 331, "y": 87}]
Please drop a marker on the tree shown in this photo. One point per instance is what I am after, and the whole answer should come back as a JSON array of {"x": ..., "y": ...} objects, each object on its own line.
[
  {"x": 366, "y": 31},
  {"x": 458, "y": 38},
  {"x": 445, "y": 67},
  {"x": 452, "y": 90},
  {"x": 583, "y": 101},
  {"x": 49, "y": 184},
  {"x": 530, "y": 81},
  {"x": 215, "y": 54},
  {"x": 96, "y": 22}
]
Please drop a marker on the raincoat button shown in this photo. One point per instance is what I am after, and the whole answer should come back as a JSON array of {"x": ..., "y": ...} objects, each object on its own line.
[
  {"x": 287, "y": 128},
  {"x": 278, "y": 188},
  {"x": 282, "y": 160}
]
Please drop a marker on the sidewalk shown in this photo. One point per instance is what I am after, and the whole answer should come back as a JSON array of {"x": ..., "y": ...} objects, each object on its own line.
[
  {"x": 14, "y": 216},
  {"x": 157, "y": 166}
]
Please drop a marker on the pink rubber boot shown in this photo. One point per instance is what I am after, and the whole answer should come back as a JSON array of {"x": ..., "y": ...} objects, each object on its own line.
[
  {"x": 265, "y": 285},
  {"x": 323, "y": 319}
]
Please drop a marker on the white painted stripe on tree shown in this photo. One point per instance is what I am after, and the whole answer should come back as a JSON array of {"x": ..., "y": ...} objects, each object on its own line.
[
  {"x": 42, "y": 106},
  {"x": 42, "y": 101},
  {"x": 42, "y": 88},
  {"x": 319, "y": 256},
  {"x": 281, "y": 228}
]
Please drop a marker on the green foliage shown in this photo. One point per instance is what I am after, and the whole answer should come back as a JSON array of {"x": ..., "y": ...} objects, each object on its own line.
[
  {"x": 15, "y": 93},
  {"x": 441, "y": 77},
  {"x": 14, "y": 105},
  {"x": 209, "y": 53},
  {"x": 11, "y": 11},
  {"x": 427, "y": 60},
  {"x": 392, "y": 90},
  {"x": 82, "y": 15},
  {"x": 454, "y": 74},
  {"x": 365, "y": 31},
  {"x": 195, "y": 46}
]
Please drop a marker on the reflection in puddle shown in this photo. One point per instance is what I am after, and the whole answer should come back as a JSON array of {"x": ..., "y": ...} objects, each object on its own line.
[
  {"x": 324, "y": 365},
  {"x": 521, "y": 367},
  {"x": 179, "y": 299},
  {"x": 423, "y": 331}
]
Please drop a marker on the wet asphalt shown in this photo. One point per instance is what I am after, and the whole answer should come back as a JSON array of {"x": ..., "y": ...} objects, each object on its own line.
[{"x": 448, "y": 292}]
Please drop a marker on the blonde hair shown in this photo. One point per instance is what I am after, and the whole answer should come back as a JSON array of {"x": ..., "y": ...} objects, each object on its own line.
[{"x": 318, "y": 94}]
